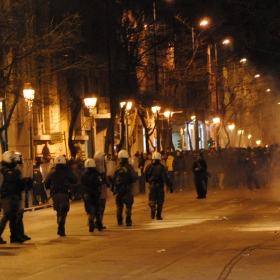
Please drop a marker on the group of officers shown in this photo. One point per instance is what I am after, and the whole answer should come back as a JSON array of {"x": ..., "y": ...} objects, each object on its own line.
[{"x": 94, "y": 180}]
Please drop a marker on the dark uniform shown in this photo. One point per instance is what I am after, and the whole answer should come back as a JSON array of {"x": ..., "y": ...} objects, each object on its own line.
[
  {"x": 123, "y": 180},
  {"x": 91, "y": 181},
  {"x": 199, "y": 169},
  {"x": 10, "y": 192},
  {"x": 59, "y": 182},
  {"x": 101, "y": 167},
  {"x": 156, "y": 175}
]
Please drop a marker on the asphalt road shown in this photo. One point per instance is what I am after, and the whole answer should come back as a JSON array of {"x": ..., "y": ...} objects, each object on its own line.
[{"x": 233, "y": 234}]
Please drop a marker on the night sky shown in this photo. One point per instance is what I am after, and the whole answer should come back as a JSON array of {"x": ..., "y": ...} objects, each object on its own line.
[{"x": 253, "y": 24}]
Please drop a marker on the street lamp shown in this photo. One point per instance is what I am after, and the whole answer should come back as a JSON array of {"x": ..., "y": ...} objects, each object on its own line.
[
  {"x": 28, "y": 93},
  {"x": 155, "y": 110},
  {"x": 90, "y": 103},
  {"x": 126, "y": 105}
]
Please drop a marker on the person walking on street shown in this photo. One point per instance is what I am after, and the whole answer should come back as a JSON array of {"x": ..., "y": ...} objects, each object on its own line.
[
  {"x": 122, "y": 186},
  {"x": 169, "y": 166},
  {"x": 91, "y": 181},
  {"x": 10, "y": 195},
  {"x": 59, "y": 182},
  {"x": 156, "y": 175},
  {"x": 199, "y": 169},
  {"x": 101, "y": 167}
]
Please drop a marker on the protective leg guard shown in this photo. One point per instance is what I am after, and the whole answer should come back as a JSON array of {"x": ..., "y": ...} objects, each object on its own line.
[
  {"x": 128, "y": 216},
  {"x": 90, "y": 223},
  {"x": 119, "y": 215},
  {"x": 153, "y": 210},
  {"x": 159, "y": 210},
  {"x": 61, "y": 225}
]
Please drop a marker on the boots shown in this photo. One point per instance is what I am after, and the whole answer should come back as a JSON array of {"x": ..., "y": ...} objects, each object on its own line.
[
  {"x": 128, "y": 221},
  {"x": 119, "y": 215},
  {"x": 153, "y": 211},
  {"x": 91, "y": 223},
  {"x": 61, "y": 223},
  {"x": 159, "y": 210},
  {"x": 15, "y": 238},
  {"x": 128, "y": 217},
  {"x": 21, "y": 229},
  {"x": 61, "y": 230}
]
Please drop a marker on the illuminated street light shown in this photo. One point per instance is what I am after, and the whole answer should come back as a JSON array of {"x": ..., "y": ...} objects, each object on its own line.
[
  {"x": 226, "y": 41},
  {"x": 258, "y": 142},
  {"x": 243, "y": 60},
  {"x": 28, "y": 93},
  {"x": 257, "y": 76},
  {"x": 231, "y": 126},
  {"x": 204, "y": 22},
  {"x": 168, "y": 114},
  {"x": 216, "y": 120},
  {"x": 90, "y": 103}
]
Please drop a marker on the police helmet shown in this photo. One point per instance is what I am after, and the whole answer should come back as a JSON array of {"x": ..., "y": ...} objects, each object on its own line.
[
  {"x": 98, "y": 155},
  {"x": 12, "y": 156},
  {"x": 60, "y": 159},
  {"x": 156, "y": 155},
  {"x": 123, "y": 154},
  {"x": 90, "y": 162}
]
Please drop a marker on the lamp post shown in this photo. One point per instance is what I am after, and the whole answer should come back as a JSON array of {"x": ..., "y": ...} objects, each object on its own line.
[
  {"x": 90, "y": 103},
  {"x": 216, "y": 122},
  {"x": 168, "y": 114},
  {"x": 231, "y": 127},
  {"x": 249, "y": 139},
  {"x": 127, "y": 105},
  {"x": 155, "y": 110},
  {"x": 225, "y": 42},
  {"x": 240, "y": 132},
  {"x": 28, "y": 93}
]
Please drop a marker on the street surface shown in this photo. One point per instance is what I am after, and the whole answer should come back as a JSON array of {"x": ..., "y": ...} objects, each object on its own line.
[{"x": 233, "y": 234}]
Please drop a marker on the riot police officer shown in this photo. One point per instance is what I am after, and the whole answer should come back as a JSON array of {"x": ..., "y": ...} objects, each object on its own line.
[
  {"x": 10, "y": 195},
  {"x": 156, "y": 175},
  {"x": 122, "y": 186},
  {"x": 101, "y": 167},
  {"x": 59, "y": 181},
  {"x": 91, "y": 181}
]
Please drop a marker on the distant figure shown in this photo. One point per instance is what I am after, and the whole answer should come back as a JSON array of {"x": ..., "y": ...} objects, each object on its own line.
[{"x": 199, "y": 169}]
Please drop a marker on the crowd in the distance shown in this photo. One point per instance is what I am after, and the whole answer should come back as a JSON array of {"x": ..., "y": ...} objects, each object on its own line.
[{"x": 228, "y": 168}]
